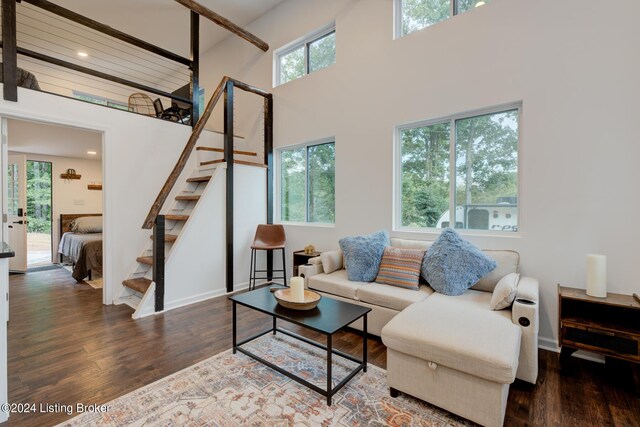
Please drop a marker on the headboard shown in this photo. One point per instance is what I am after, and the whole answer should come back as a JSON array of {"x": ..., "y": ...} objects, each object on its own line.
[{"x": 67, "y": 219}]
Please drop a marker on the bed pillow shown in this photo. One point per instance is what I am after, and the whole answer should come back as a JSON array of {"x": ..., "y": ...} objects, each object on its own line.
[
  {"x": 362, "y": 255},
  {"x": 505, "y": 292},
  {"x": 87, "y": 225},
  {"x": 331, "y": 261},
  {"x": 401, "y": 267},
  {"x": 452, "y": 265}
]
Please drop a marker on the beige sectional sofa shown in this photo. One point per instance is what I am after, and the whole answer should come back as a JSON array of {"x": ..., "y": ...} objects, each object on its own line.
[{"x": 454, "y": 352}]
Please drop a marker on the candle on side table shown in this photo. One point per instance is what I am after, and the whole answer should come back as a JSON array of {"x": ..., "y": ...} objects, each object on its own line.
[
  {"x": 597, "y": 276},
  {"x": 297, "y": 289}
]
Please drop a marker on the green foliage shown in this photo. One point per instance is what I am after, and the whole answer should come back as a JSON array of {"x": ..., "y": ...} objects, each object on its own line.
[
  {"x": 292, "y": 65},
  {"x": 321, "y": 52},
  {"x": 425, "y": 174},
  {"x": 486, "y": 165},
  {"x": 322, "y": 175},
  {"x": 319, "y": 205},
  {"x": 38, "y": 197},
  {"x": 418, "y": 14}
]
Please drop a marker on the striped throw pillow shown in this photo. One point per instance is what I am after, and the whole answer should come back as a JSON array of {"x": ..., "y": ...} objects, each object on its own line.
[{"x": 400, "y": 267}]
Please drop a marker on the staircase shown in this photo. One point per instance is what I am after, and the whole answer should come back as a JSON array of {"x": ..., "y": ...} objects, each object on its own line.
[
  {"x": 143, "y": 290},
  {"x": 138, "y": 289}
]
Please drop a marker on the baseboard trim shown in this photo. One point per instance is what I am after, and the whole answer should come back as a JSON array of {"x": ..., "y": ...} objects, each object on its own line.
[
  {"x": 551, "y": 345},
  {"x": 193, "y": 299}
]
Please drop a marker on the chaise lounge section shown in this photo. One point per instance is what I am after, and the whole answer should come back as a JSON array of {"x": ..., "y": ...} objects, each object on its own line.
[{"x": 452, "y": 351}]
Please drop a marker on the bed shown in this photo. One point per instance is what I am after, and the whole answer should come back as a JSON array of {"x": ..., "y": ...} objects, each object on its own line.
[{"x": 84, "y": 250}]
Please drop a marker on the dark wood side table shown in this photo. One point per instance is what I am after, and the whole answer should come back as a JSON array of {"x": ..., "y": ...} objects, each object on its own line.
[
  {"x": 300, "y": 258},
  {"x": 609, "y": 326}
]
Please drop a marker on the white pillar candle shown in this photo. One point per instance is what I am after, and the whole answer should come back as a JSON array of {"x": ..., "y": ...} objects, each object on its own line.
[
  {"x": 297, "y": 289},
  {"x": 597, "y": 276}
]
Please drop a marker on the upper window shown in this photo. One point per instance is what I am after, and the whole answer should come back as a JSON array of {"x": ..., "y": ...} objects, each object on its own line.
[
  {"x": 311, "y": 53},
  {"x": 100, "y": 100},
  {"x": 307, "y": 184},
  {"x": 414, "y": 15},
  {"x": 463, "y": 164}
]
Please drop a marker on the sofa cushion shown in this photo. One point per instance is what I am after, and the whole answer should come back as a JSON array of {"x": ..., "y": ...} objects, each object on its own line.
[
  {"x": 507, "y": 262},
  {"x": 460, "y": 332},
  {"x": 452, "y": 265},
  {"x": 400, "y": 267},
  {"x": 336, "y": 283},
  {"x": 331, "y": 261},
  {"x": 391, "y": 296},
  {"x": 410, "y": 244},
  {"x": 505, "y": 292},
  {"x": 362, "y": 255}
]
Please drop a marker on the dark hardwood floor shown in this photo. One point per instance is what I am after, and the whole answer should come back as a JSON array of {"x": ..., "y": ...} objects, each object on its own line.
[{"x": 66, "y": 347}]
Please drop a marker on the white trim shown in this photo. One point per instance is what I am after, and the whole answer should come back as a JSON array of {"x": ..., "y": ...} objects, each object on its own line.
[
  {"x": 451, "y": 119},
  {"x": 278, "y": 182},
  {"x": 7, "y": 111},
  {"x": 303, "y": 41}
]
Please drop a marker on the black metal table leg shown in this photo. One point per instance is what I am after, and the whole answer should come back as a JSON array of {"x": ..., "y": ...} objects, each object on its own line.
[
  {"x": 329, "y": 365},
  {"x": 233, "y": 310},
  {"x": 274, "y": 325},
  {"x": 364, "y": 343}
]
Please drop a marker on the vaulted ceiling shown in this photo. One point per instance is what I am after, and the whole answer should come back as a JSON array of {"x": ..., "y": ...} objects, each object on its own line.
[{"x": 165, "y": 22}]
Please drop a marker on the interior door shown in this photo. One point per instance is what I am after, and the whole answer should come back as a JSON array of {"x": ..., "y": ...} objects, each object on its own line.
[{"x": 17, "y": 211}]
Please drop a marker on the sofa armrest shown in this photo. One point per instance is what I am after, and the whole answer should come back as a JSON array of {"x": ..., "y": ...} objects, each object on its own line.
[
  {"x": 307, "y": 271},
  {"x": 526, "y": 307},
  {"x": 524, "y": 313}
]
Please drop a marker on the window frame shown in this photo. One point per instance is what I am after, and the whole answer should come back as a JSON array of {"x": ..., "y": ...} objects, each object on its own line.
[
  {"x": 397, "y": 164},
  {"x": 278, "y": 183},
  {"x": 304, "y": 41},
  {"x": 397, "y": 17}
]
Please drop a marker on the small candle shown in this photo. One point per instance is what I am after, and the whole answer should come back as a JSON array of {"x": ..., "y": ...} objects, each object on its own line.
[
  {"x": 297, "y": 289},
  {"x": 597, "y": 276}
]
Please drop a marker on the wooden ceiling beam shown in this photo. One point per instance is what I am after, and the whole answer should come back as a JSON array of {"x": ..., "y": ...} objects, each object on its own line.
[{"x": 224, "y": 23}]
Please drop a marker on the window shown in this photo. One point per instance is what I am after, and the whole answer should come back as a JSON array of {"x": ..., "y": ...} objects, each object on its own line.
[
  {"x": 463, "y": 164},
  {"x": 100, "y": 100},
  {"x": 414, "y": 15},
  {"x": 304, "y": 56},
  {"x": 307, "y": 183}
]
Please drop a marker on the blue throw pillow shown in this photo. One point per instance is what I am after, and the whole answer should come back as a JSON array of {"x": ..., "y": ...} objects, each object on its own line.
[
  {"x": 452, "y": 265},
  {"x": 362, "y": 255}
]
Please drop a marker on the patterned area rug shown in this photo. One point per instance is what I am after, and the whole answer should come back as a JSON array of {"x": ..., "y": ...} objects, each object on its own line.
[{"x": 235, "y": 390}]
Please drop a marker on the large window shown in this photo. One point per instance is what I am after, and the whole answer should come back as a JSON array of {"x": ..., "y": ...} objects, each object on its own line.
[
  {"x": 307, "y": 184},
  {"x": 312, "y": 53},
  {"x": 414, "y": 15},
  {"x": 463, "y": 164}
]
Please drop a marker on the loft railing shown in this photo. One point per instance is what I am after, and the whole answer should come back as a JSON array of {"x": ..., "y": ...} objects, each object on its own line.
[
  {"x": 42, "y": 37},
  {"x": 156, "y": 221}
]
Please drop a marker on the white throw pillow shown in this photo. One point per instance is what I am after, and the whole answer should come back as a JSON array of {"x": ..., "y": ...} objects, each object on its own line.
[
  {"x": 505, "y": 292},
  {"x": 331, "y": 261},
  {"x": 87, "y": 225}
]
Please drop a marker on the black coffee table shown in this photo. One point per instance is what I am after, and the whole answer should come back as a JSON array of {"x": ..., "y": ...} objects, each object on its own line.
[{"x": 328, "y": 317}]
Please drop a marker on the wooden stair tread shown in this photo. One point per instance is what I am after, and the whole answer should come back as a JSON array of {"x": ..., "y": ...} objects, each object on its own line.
[
  {"x": 188, "y": 197},
  {"x": 238, "y": 162},
  {"x": 148, "y": 260},
  {"x": 139, "y": 284},
  {"x": 221, "y": 150},
  {"x": 199, "y": 179},
  {"x": 168, "y": 237},
  {"x": 176, "y": 217}
]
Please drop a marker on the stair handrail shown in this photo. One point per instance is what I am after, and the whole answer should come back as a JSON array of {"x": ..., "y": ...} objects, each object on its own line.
[
  {"x": 191, "y": 143},
  {"x": 184, "y": 156}
]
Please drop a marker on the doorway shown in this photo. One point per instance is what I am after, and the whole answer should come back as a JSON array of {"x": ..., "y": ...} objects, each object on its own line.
[{"x": 39, "y": 213}]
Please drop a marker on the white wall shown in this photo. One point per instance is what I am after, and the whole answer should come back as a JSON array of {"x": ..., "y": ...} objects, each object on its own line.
[
  {"x": 69, "y": 196},
  {"x": 573, "y": 64},
  {"x": 138, "y": 154}
]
